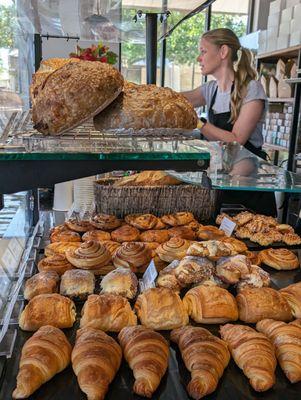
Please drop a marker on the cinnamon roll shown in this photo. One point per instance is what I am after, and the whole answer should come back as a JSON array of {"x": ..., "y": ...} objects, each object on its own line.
[
  {"x": 60, "y": 248},
  {"x": 135, "y": 256},
  {"x": 177, "y": 219},
  {"x": 96, "y": 235},
  {"x": 57, "y": 263},
  {"x": 174, "y": 249},
  {"x": 141, "y": 221},
  {"x": 78, "y": 226},
  {"x": 280, "y": 259},
  {"x": 152, "y": 235},
  {"x": 105, "y": 222},
  {"x": 111, "y": 245},
  {"x": 184, "y": 232},
  {"x": 64, "y": 236},
  {"x": 90, "y": 255},
  {"x": 125, "y": 233}
]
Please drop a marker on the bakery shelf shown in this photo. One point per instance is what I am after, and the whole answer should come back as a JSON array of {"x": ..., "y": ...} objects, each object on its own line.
[
  {"x": 281, "y": 99},
  {"x": 286, "y": 53}
]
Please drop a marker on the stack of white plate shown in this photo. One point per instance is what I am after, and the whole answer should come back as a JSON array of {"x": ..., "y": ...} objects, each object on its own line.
[{"x": 83, "y": 196}]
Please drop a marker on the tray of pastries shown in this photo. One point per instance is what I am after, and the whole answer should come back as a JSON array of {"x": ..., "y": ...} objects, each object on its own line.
[{"x": 217, "y": 322}]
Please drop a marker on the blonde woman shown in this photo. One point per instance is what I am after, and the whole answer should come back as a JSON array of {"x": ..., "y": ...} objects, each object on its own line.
[{"x": 235, "y": 102}]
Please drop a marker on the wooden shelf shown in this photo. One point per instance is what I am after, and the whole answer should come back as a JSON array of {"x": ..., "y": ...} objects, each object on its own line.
[
  {"x": 280, "y": 99},
  {"x": 286, "y": 53},
  {"x": 274, "y": 147}
]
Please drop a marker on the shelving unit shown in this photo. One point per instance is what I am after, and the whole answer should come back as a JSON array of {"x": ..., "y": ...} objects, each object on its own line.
[{"x": 280, "y": 100}]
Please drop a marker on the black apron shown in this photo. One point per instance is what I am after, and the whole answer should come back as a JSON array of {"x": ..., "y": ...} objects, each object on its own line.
[{"x": 260, "y": 202}]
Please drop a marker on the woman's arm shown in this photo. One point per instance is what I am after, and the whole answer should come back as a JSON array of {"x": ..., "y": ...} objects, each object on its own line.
[
  {"x": 195, "y": 97},
  {"x": 250, "y": 114}
]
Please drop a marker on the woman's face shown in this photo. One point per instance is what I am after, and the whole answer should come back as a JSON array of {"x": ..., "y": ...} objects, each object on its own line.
[{"x": 210, "y": 57}]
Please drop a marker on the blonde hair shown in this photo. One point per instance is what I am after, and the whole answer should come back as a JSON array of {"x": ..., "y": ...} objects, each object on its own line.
[{"x": 242, "y": 60}]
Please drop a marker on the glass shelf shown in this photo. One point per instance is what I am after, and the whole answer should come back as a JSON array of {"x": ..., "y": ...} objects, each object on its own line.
[{"x": 232, "y": 167}]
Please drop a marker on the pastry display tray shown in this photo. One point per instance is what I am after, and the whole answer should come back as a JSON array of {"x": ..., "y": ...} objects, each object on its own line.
[{"x": 233, "y": 384}]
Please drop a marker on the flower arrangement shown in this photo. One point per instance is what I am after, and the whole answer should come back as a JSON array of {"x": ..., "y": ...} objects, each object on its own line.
[{"x": 95, "y": 53}]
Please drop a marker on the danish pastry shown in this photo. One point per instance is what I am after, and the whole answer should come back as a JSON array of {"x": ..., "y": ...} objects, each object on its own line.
[
  {"x": 155, "y": 235},
  {"x": 142, "y": 221},
  {"x": 174, "y": 249},
  {"x": 105, "y": 222},
  {"x": 78, "y": 226},
  {"x": 243, "y": 233},
  {"x": 184, "y": 232},
  {"x": 65, "y": 236},
  {"x": 121, "y": 281},
  {"x": 125, "y": 233},
  {"x": 238, "y": 245},
  {"x": 60, "y": 248},
  {"x": 291, "y": 239},
  {"x": 232, "y": 269},
  {"x": 97, "y": 235},
  {"x": 208, "y": 232},
  {"x": 243, "y": 218},
  {"x": 90, "y": 255},
  {"x": 135, "y": 256},
  {"x": 281, "y": 259},
  {"x": 177, "y": 219},
  {"x": 264, "y": 239},
  {"x": 57, "y": 263}
]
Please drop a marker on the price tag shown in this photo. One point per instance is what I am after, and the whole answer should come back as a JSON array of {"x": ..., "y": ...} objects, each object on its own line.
[
  {"x": 227, "y": 226},
  {"x": 149, "y": 277}
]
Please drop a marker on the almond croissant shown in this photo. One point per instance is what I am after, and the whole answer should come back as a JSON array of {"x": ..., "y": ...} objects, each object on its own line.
[
  {"x": 96, "y": 357},
  {"x": 287, "y": 341},
  {"x": 147, "y": 353},
  {"x": 44, "y": 355},
  {"x": 253, "y": 353},
  {"x": 205, "y": 356}
]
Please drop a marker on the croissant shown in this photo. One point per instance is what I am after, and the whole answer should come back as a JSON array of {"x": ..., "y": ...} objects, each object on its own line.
[
  {"x": 287, "y": 341},
  {"x": 292, "y": 293},
  {"x": 205, "y": 356},
  {"x": 147, "y": 353},
  {"x": 253, "y": 353},
  {"x": 44, "y": 355},
  {"x": 96, "y": 357}
]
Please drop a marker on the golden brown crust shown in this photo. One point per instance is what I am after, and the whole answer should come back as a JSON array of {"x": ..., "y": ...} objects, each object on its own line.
[
  {"x": 125, "y": 233},
  {"x": 97, "y": 235},
  {"x": 46, "y": 353},
  {"x": 48, "y": 309},
  {"x": 107, "y": 312},
  {"x": 238, "y": 245},
  {"x": 78, "y": 226},
  {"x": 141, "y": 221},
  {"x": 121, "y": 281},
  {"x": 221, "y": 216},
  {"x": 243, "y": 218},
  {"x": 111, "y": 246},
  {"x": 292, "y": 293},
  {"x": 41, "y": 283},
  {"x": 147, "y": 353},
  {"x": 64, "y": 236},
  {"x": 262, "y": 238},
  {"x": 184, "y": 232},
  {"x": 256, "y": 278},
  {"x": 147, "y": 178},
  {"x": 210, "y": 305},
  {"x": 291, "y": 239},
  {"x": 174, "y": 249},
  {"x": 147, "y": 106},
  {"x": 77, "y": 284},
  {"x": 253, "y": 257},
  {"x": 167, "y": 277},
  {"x": 178, "y": 219},
  {"x": 73, "y": 93},
  {"x": 232, "y": 269},
  {"x": 205, "y": 356},
  {"x": 260, "y": 303},
  {"x": 133, "y": 255},
  {"x": 56, "y": 248},
  {"x": 90, "y": 255},
  {"x": 105, "y": 222},
  {"x": 213, "y": 249},
  {"x": 243, "y": 233},
  {"x": 209, "y": 232},
  {"x": 155, "y": 235},
  {"x": 57, "y": 263},
  {"x": 253, "y": 353},
  {"x": 193, "y": 270},
  {"x": 161, "y": 309},
  {"x": 280, "y": 259},
  {"x": 96, "y": 358}
]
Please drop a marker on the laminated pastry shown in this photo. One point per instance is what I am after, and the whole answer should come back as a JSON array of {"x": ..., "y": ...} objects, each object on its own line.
[
  {"x": 46, "y": 353},
  {"x": 125, "y": 233},
  {"x": 147, "y": 106},
  {"x": 184, "y": 232},
  {"x": 291, "y": 239},
  {"x": 147, "y": 353},
  {"x": 210, "y": 305},
  {"x": 208, "y": 232},
  {"x": 178, "y": 219},
  {"x": 107, "y": 312},
  {"x": 243, "y": 218},
  {"x": 275, "y": 235},
  {"x": 194, "y": 270},
  {"x": 48, "y": 309},
  {"x": 292, "y": 293},
  {"x": 285, "y": 228},
  {"x": 57, "y": 263},
  {"x": 147, "y": 178},
  {"x": 105, "y": 222},
  {"x": 60, "y": 248},
  {"x": 167, "y": 277},
  {"x": 232, "y": 269},
  {"x": 96, "y": 358},
  {"x": 73, "y": 94},
  {"x": 155, "y": 235},
  {"x": 41, "y": 283},
  {"x": 243, "y": 233},
  {"x": 205, "y": 356},
  {"x": 97, "y": 235},
  {"x": 262, "y": 238},
  {"x": 77, "y": 284},
  {"x": 257, "y": 225},
  {"x": 174, "y": 249},
  {"x": 253, "y": 257},
  {"x": 111, "y": 246},
  {"x": 121, "y": 281},
  {"x": 280, "y": 259},
  {"x": 64, "y": 235},
  {"x": 152, "y": 246},
  {"x": 90, "y": 255},
  {"x": 257, "y": 277},
  {"x": 254, "y": 354},
  {"x": 160, "y": 224},
  {"x": 287, "y": 341},
  {"x": 133, "y": 255},
  {"x": 213, "y": 249},
  {"x": 161, "y": 309},
  {"x": 194, "y": 225},
  {"x": 259, "y": 303},
  {"x": 213, "y": 280},
  {"x": 238, "y": 245},
  {"x": 80, "y": 226},
  {"x": 141, "y": 221},
  {"x": 221, "y": 216}
]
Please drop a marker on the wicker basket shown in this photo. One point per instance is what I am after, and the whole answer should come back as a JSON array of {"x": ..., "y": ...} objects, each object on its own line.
[{"x": 158, "y": 200}]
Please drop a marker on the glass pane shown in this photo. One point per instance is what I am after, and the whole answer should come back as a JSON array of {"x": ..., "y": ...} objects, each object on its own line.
[{"x": 230, "y": 14}]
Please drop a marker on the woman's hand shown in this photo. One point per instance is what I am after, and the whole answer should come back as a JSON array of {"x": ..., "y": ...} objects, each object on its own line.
[{"x": 195, "y": 97}]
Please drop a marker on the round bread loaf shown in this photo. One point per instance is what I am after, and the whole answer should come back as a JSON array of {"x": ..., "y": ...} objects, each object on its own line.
[{"x": 73, "y": 94}]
